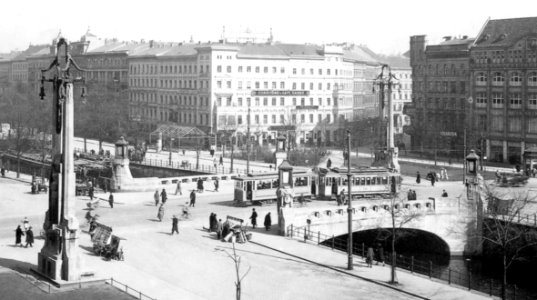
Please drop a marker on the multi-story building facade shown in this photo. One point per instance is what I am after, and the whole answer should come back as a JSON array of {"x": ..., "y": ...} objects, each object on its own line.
[
  {"x": 306, "y": 89},
  {"x": 486, "y": 85},
  {"x": 504, "y": 88},
  {"x": 440, "y": 76}
]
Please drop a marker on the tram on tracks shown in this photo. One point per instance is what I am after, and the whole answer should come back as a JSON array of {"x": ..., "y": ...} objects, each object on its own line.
[
  {"x": 366, "y": 182},
  {"x": 261, "y": 188}
]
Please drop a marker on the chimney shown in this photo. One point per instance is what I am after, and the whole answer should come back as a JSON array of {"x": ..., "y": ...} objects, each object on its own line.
[{"x": 447, "y": 38}]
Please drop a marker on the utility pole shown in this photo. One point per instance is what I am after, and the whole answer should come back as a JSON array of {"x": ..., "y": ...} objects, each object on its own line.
[
  {"x": 248, "y": 142},
  {"x": 349, "y": 201}
]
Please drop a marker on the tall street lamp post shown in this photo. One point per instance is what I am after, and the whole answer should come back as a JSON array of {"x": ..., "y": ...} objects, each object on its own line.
[
  {"x": 349, "y": 201},
  {"x": 248, "y": 141}
]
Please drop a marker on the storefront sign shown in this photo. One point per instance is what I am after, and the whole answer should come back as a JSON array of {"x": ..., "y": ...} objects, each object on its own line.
[
  {"x": 282, "y": 127},
  {"x": 307, "y": 107},
  {"x": 280, "y": 93},
  {"x": 448, "y": 133}
]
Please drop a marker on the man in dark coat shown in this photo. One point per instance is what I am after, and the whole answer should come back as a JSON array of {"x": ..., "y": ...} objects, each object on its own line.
[
  {"x": 328, "y": 163},
  {"x": 418, "y": 177},
  {"x": 29, "y": 237},
  {"x": 433, "y": 179},
  {"x": 193, "y": 198},
  {"x": 111, "y": 200},
  {"x": 219, "y": 228},
  {"x": 175, "y": 226},
  {"x": 216, "y": 184},
  {"x": 268, "y": 222},
  {"x": 212, "y": 220},
  {"x": 221, "y": 160},
  {"x": 253, "y": 217},
  {"x": 18, "y": 236},
  {"x": 163, "y": 196},
  {"x": 200, "y": 185}
]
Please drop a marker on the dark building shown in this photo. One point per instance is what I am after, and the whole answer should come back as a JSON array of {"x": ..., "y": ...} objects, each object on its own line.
[{"x": 440, "y": 75}]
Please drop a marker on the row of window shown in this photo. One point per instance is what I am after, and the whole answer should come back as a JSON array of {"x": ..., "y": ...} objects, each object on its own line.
[
  {"x": 169, "y": 84},
  {"x": 274, "y": 85},
  {"x": 274, "y": 70},
  {"x": 182, "y": 100},
  {"x": 498, "y": 122},
  {"x": 168, "y": 69},
  {"x": 498, "y": 78},
  {"x": 515, "y": 100},
  {"x": 273, "y": 102},
  {"x": 277, "y": 119}
]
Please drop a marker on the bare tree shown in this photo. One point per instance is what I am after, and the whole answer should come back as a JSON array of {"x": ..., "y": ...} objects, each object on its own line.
[
  {"x": 237, "y": 261},
  {"x": 400, "y": 215},
  {"x": 504, "y": 227}
]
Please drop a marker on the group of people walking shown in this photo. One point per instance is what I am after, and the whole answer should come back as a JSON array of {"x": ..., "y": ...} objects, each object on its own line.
[
  {"x": 376, "y": 254},
  {"x": 26, "y": 230}
]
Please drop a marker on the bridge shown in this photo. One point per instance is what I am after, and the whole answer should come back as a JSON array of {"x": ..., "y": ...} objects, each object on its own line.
[{"x": 450, "y": 220}]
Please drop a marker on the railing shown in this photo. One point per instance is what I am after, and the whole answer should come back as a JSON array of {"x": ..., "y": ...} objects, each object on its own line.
[
  {"x": 48, "y": 288},
  {"x": 505, "y": 215},
  {"x": 128, "y": 290},
  {"x": 424, "y": 268}
]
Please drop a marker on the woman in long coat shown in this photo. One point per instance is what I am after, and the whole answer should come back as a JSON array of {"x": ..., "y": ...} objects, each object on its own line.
[
  {"x": 156, "y": 196},
  {"x": 160, "y": 214},
  {"x": 18, "y": 236},
  {"x": 268, "y": 222}
]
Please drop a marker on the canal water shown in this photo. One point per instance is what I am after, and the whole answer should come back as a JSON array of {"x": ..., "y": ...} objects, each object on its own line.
[{"x": 427, "y": 254}]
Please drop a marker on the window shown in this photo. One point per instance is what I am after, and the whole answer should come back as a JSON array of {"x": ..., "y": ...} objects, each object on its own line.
[
  {"x": 302, "y": 118},
  {"x": 282, "y": 101},
  {"x": 265, "y": 85},
  {"x": 497, "y": 99},
  {"x": 256, "y": 119},
  {"x": 302, "y": 85},
  {"x": 239, "y": 119},
  {"x": 248, "y": 69},
  {"x": 273, "y": 119},
  {"x": 514, "y": 100},
  {"x": 256, "y": 101},
  {"x": 320, "y": 71},
  {"x": 240, "y": 69},
  {"x": 497, "y": 123},
  {"x": 481, "y": 99},
  {"x": 265, "y": 101},
  {"x": 219, "y": 101},
  {"x": 282, "y": 70},
  {"x": 294, "y": 101},
  {"x": 481, "y": 78},
  {"x": 532, "y": 100},
  {"x": 248, "y": 102},
  {"x": 239, "y": 85},
  {"x": 239, "y": 101},
  {"x": 532, "y": 125},
  {"x": 311, "y": 101},
  {"x": 320, "y": 101},
  {"x": 282, "y": 85},
  {"x": 328, "y": 101},
  {"x": 303, "y": 71},
  {"x": 228, "y": 101},
  {"x": 320, "y": 86},
  {"x": 311, "y": 116},
  {"x": 311, "y": 85},
  {"x": 532, "y": 79},
  {"x": 218, "y": 69},
  {"x": 219, "y": 84},
  {"x": 273, "y": 101},
  {"x": 257, "y": 69},
  {"x": 328, "y": 118},
  {"x": 248, "y": 85},
  {"x": 498, "y": 78},
  {"x": 274, "y": 85},
  {"x": 282, "y": 119},
  {"x": 302, "y": 101},
  {"x": 294, "y": 70},
  {"x": 228, "y": 84},
  {"x": 294, "y": 85},
  {"x": 228, "y": 69},
  {"x": 257, "y": 85},
  {"x": 274, "y": 69},
  {"x": 328, "y": 86},
  {"x": 327, "y": 71},
  {"x": 515, "y": 124},
  {"x": 515, "y": 79},
  {"x": 293, "y": 119},
  {"x": 265, "y": 119}
]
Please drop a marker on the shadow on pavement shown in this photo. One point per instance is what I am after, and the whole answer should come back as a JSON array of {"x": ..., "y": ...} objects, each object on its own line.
[{"x": 19, "y": 266}]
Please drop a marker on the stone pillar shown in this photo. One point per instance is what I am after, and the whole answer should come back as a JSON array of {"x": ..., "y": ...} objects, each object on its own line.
[
  {"x": 71, "y": 256},
  {"x": 504, "y": 151}
]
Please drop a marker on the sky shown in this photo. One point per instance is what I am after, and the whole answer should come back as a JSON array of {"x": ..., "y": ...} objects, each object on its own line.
[{"x": 384, "y": 26}]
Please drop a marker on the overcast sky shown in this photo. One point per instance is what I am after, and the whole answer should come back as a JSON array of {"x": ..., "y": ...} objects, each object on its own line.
[{"x": 385, "y": 26}]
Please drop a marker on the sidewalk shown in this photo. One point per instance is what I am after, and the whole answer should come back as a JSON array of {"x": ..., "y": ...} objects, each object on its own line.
[{"x": 418, "y": 285}]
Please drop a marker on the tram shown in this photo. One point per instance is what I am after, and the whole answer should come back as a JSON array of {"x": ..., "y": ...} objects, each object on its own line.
[
  {"x": 261, "y": 188},
  {"x": 366, "y": 182}
]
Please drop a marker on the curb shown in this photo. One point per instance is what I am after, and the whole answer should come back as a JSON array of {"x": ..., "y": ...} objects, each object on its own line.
[{"x": 344, "y": 272}]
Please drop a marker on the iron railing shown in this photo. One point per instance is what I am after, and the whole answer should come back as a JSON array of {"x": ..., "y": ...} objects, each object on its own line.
[{"x": 414, "y": 266}]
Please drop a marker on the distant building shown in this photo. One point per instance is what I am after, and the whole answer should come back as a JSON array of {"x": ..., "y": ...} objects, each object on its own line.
[
  {"x": 504, "y": 88},
  {"x": 440, "y": 79}
]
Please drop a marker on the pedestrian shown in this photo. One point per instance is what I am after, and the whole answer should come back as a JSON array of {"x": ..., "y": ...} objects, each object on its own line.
[
  {"x": 221, "y": 160},
  {"x": 3, "y": 172},
  {"x": 212, "y": 220},
  {"x": 268, "y": 222},
  {"x": 175, "y": 227},
  {"x": 418, "y": 177},
  {"x": 18, "y": 236},
  {"x": 342, "y": 197},
  {"x": 216, "y": 184},
  {"x": 163, "y": 196},
  {"x": 214, "y": 224},
  {"x": 25, "y": 223},
  {"x": 253, "y": 218},
  {"x": 183, "y": 152},
  {"x": 157, "y": 197},
  {"x": 380, "y": 254},
  {"x": 219, "y": 228},
  {"x": 29, "y": 237},
  {"x": 178, "y": 188},
  {"x": 328, "y": 163},
  {"x": 200, "y": 185},
  {"x": 409, "y": 195},
  {"x": 433, "y": 179},
  {"x": 226, "y": 227},
  {"x": 90, "y": 191},
  {"x": 111, "y": 200},
  {"x": 270, "y": 167},
  {"x": 160, "y": 213},
  {"x": 214, "y": 162},
  {"x": 193, "y": 198},
  {"x": 369, "y": 257}
]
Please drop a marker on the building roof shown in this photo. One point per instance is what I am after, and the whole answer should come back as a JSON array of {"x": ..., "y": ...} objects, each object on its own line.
[
  {"x": 176, "y": 131},
  {"x": 31, "y": 51},
  {"x": 396, "y": 61},
  {"x": 360, "y": 54},
  {"x": 505, "y": 32}
]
